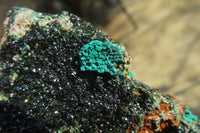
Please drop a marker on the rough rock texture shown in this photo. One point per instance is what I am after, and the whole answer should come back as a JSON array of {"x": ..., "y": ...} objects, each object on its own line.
[
  {"x": 44, "y": 89},
  {"x": 163, "y": 28}
]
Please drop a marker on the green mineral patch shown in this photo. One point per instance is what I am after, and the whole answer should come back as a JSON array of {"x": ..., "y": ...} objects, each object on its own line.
[
  {"x": 100, "y": 57},
  {"x": 188, "y": 116},
  {"x": 13, "y": 77},
  {"x": 131, "y": 75},
  {"x": 69, "y": 129},
  {"x": 3, "y": 97}
]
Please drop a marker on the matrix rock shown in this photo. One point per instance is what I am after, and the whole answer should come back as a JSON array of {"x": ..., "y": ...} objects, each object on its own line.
[{"x": 60, "y": 74}]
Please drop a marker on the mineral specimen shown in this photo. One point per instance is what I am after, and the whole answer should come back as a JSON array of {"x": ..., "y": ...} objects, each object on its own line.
[{"x": 60, "y": 74}]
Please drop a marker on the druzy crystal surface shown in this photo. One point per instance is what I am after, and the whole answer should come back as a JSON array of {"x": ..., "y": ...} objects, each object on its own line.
[{"x": 61, "y": 74}]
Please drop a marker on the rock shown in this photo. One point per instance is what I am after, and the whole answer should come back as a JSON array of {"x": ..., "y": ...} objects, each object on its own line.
[{"x": 49, "y": 84}]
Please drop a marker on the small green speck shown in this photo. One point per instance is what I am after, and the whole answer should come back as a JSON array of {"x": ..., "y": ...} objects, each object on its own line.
[
  {"x": 14, "y": 36},
  {"x": 69, "y": 129},
  {"x": 131, "y": 75},
  {"x": 34, "y": 16},
  {"x": 3, "y": 97},
  {"x": 19, "y": 8},
  {"x": 13, "y": 77},
  {"x": 141, "y": 116},
  {"x": 188, "y": 116}
]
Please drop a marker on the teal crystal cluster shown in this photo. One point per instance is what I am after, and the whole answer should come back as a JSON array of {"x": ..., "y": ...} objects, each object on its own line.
[{"x": 101, "y": 57}]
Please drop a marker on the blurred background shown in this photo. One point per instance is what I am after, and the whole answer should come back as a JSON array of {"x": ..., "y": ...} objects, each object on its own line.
[{"x": 162, "y": 37}]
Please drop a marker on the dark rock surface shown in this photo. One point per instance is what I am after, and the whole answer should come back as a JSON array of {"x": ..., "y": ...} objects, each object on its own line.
[
  {"x": 43, "y": 88},
  {"x": 163, "y": 28}
]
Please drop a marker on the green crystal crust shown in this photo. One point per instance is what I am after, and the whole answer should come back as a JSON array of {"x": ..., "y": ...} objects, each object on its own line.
[
  {"x": 101, "y": 57},
  {"x": 188, "y": 116}
]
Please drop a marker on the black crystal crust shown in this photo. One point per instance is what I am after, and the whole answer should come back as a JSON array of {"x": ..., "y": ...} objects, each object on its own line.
[
  {"x": 50, "y": 87},
  {"x": 41, "y": 76},
  {"x": 14, "y": 120}
]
